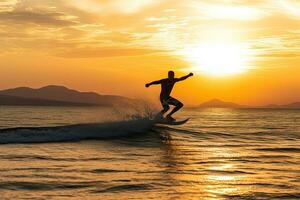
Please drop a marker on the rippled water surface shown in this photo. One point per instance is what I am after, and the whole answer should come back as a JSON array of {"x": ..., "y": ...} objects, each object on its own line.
[{"x": 218, "y": 154}]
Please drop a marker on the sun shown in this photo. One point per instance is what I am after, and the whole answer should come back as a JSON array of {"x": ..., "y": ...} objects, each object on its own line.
[{"x": 218, "y": 58}]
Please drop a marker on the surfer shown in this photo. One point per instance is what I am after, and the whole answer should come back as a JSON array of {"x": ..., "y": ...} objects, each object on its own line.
[{"x": 166, "y": 89}]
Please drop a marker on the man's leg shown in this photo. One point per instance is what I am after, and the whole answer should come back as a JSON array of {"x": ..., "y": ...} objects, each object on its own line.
[
  {"x": 178, "y": 105},
  {"x": 160, "y": 115},
  {"x": 165, "y": 106}
]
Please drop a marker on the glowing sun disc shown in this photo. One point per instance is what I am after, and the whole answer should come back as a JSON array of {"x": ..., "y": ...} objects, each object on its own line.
[{"x": 218, "y": 59}]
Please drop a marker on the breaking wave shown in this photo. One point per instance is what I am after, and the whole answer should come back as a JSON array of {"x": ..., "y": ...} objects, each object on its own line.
[{"x": 75, "y": 132}]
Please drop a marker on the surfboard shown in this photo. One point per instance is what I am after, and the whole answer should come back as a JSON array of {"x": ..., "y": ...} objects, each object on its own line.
[{"x": 176, "y": 123}]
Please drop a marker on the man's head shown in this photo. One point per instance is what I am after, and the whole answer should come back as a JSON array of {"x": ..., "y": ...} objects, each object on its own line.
[{"x": 171, "y": 75}]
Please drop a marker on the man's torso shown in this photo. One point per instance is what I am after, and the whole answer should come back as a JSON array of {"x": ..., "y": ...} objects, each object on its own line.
[{"x": 166, "y": 88}]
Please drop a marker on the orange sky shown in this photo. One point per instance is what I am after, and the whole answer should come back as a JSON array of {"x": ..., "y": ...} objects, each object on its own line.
[{"x": 246, "y": 51}]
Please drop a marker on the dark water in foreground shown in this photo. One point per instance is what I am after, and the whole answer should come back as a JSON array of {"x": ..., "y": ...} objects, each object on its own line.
[{"x": 219, "y": 154}]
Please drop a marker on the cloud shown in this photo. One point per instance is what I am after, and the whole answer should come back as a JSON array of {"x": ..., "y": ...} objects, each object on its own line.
[
  {"x": 112, "y": 6},
  {"x": 290, "y": 7},
  {"x": 96, "y": 27},
  {"x": 54, "y": 18},
  {"x": 230, "y": 10},
  {"x": 7, "y": 5},
  {"x": 109, "y": 52},
  {"x": 281, "y": 54}
]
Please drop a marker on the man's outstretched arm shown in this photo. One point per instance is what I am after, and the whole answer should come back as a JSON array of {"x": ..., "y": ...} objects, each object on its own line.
[
  {"x": 153, "y": 83},
  {"x": 185, "y": 77}
]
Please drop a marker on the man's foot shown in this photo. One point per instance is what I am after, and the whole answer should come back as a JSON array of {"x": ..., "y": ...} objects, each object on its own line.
[
  {"x": 169, "y": 118},
  {"x": 159, "y": 116}
]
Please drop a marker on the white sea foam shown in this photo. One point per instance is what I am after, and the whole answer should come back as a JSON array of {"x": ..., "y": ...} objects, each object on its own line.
[{"x": 76, "y": 132}]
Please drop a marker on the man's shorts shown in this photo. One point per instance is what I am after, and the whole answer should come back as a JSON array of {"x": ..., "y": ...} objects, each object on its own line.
[{"x": 169, "y": 101}]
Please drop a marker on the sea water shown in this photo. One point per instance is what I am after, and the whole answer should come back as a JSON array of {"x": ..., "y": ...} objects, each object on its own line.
[{"x": 97, "y": 153}]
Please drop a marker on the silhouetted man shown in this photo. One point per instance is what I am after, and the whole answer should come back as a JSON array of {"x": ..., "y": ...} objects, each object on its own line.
[{"x": 166, "y": 89}]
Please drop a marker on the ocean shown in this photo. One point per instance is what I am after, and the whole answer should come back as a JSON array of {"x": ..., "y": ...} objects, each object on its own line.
[{"x": 104, "y": 153}]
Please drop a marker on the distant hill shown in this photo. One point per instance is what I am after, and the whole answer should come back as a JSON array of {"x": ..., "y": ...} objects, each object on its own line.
[
  {"x": 295, "y": 105},
  {"x": 216, "y": 103},
  {"x": 66, "y": 96},
  {"x": 19, "y": 101}
]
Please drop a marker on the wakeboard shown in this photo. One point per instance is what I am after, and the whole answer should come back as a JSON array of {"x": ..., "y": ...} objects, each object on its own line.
[{"x": 176, "y": 123}]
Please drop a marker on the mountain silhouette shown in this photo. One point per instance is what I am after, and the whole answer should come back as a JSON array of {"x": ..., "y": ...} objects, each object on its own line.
[
  {"x": 66, "y": 95},
  {"x": 20, "y": 101},
  {"x": 216, "y": 103},
  {"x": 53, "y": 95},
  {"x": 295, "y": 105}
]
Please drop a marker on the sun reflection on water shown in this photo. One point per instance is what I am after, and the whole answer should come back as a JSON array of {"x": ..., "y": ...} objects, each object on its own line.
[{"x": 218, "y": 179}]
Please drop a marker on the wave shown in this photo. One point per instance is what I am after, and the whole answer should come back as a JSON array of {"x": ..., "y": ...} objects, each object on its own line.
[
  {"x": 125, "y": 188},
  {"x": 200, "y": 133},
  {"x": 75, "y": 132},
  {"x": 263, "y": 195},
  {"x": 295, "y": 150},
  {"x": 42, "y": 186}
]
